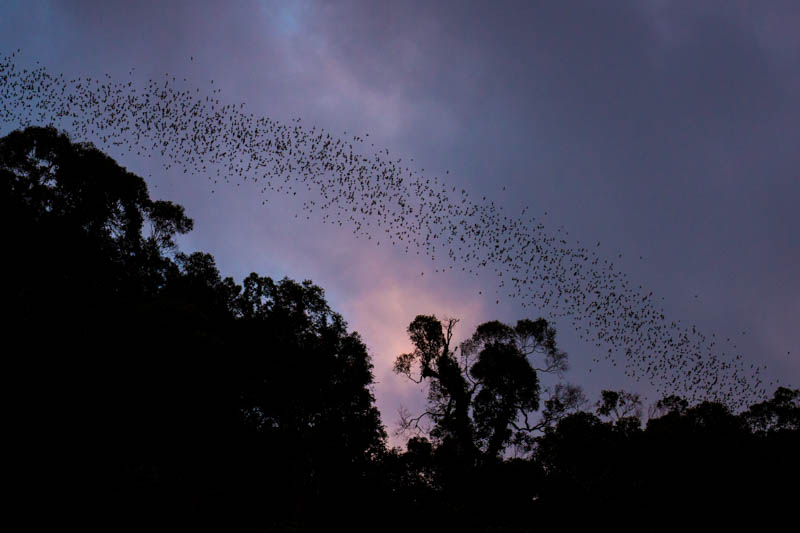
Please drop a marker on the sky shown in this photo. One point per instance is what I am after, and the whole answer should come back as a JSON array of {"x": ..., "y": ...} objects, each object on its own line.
[{"x": 666, "y": 131}]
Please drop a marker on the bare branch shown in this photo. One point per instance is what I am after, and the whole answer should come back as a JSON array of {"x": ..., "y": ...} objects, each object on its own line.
[{"x": 412, "y": 424}]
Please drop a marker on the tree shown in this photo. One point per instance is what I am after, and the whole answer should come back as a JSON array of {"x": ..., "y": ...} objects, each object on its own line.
[
  {"x": 70, "y": 205},
  {"x": 779, "y": 413},
  {"x": 481, "y": 400},
  {"x": 171, "y": 389},
  {"x": 78, "y": 273},
  {"x": 80, "y": 266},
  {"x": 307, "y": 377},
  {"x": 623, "y": 408}
]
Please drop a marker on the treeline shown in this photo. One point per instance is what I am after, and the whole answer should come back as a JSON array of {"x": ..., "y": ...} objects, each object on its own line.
[{"x": 148, "y": 392}]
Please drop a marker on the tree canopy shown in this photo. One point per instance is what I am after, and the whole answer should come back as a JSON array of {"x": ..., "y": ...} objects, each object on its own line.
[
  {"x": 167, "y": 374},
  {"x": 482, "y": 399},
  {"x": 152, "y": 393}
]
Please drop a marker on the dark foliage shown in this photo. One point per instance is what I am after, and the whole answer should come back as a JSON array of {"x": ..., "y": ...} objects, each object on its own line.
[{"x": 147, "y": 392}]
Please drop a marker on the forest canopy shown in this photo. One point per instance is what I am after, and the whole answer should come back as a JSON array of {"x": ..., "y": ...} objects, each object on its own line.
[{"x": 172, "y": 397}]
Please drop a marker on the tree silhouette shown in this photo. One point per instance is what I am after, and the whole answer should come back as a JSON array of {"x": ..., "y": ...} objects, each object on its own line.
[
  {"x": 780, "y": 413},
  {"x": 151, "y": 392},
  {"x": 173, "y": 396},
  {"x": 481, "y": 400}
]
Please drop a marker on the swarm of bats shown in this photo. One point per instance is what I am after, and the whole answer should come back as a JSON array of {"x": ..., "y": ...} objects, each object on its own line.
[{"x": 386, "y": 200}]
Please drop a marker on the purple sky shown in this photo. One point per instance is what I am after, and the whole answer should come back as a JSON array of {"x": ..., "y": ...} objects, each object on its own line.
[{"x": 664, "y": 130}]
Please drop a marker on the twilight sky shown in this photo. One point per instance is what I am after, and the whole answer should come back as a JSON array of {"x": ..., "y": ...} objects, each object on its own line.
[{"x": 666, "y": 131}]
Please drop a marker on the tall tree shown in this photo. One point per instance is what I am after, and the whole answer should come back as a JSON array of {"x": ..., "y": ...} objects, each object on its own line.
[
  {"x": 482, "y": 399},
  {"x": 172, "y": 390},
  {"x": 73, "y": 219}
]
